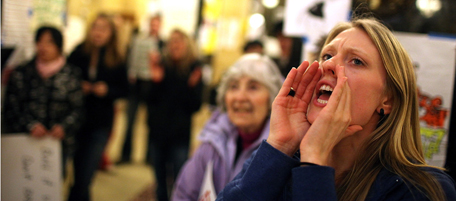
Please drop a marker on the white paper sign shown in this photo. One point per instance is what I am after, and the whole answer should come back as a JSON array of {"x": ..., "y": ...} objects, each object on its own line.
[
  {"x": 31, "y": 168},
  {"x": 314, "y": 19},
  {"x": 207, "y": 192},
  {"x": 434, "y": 59},
  {"x": 304, "y": 18},
  {"x": 179, "y": 14}
]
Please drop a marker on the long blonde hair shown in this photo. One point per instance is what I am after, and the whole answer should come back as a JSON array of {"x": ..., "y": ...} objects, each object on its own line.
[
  {"x": 396, "y": 143},
  {"x": 112, "y": 57}
]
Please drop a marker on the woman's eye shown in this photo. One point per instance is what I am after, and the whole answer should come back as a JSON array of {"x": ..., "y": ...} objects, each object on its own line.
[
  {"x": 253, "y": 87},
  {"x": 357, "y": 62},
  {"x": 232, "y": 86},
  {"x": 326, "y": 57}
]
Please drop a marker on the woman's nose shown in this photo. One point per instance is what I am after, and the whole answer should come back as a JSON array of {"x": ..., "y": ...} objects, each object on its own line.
[
  {"x": 329, "y": 66},
  {"x": 241, "y": 94}
]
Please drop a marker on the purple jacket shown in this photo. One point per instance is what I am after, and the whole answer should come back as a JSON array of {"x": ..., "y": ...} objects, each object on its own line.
[{"x": 218, "y": 137}]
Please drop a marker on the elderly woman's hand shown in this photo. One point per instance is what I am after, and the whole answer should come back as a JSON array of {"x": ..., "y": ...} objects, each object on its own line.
[
  {"x": 288, "y": 116},
  {"x": 331, "y": 126}
]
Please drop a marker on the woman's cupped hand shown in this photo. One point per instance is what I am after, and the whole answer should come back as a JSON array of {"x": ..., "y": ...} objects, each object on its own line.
[
  {"x": 288, "y": 115},
  {"x": 291, "y": 130}
]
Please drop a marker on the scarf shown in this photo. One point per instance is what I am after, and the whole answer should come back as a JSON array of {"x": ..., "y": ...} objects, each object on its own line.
[{"x": 48, "y": 69}]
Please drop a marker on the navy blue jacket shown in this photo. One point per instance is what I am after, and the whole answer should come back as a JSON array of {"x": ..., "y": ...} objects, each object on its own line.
[{"x": 266, "y": 176}]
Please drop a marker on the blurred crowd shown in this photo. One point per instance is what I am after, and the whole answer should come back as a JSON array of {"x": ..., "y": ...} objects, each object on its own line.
[{"x": 72, "y": 99}]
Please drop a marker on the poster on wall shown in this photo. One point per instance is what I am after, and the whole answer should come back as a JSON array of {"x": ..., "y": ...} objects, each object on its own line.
[
  {"x": 434, "y": 61},
  {"x": 20, "y": 19},
  {"x": 48, "y": 12},
  {"x": 31, "y": 168},
  {"x": 16, "y": 17},
  {"x": 179, "y": 14}
]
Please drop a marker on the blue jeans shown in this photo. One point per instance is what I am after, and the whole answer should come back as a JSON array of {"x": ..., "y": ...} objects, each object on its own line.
[
  {"x": 91, "y": 144},
  {"x": 164, "y": 155}
]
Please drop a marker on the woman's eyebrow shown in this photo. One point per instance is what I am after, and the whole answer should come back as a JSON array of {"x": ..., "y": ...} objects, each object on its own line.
[
  {"x": 357, "y": 51},
  {"x": 253, "y": 81}
]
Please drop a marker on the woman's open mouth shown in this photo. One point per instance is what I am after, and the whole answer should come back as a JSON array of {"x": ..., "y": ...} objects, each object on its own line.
[{"x": 324, "y": 94}]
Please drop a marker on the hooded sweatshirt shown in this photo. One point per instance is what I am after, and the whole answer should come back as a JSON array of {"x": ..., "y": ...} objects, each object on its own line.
[{"x": 218, "y": 144}]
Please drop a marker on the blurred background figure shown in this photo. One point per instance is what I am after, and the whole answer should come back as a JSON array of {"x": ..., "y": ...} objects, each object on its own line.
[
  {"x": 253, "y": 46},
  {"x": 236, "y": 129},
  {"x": 312, "y": 56},
  {"x": 104, "y": 80},
  {"x": 290, "y": 50},
  {"x": 44, "y": 96},
  {"x": 176, "y": 94},
  {"x": 139, "y": 78}
]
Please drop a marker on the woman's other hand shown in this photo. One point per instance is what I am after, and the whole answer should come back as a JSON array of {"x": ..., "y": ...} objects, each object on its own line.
[
  {"x": 195, "y": 77},
  {"x": 38, "y": 130},
  {"x": 86, "y": 87},
  {"x": 288, "y": 116},
  {"x": 57, "y": 132},
  {"x": 100, "y": 89}
]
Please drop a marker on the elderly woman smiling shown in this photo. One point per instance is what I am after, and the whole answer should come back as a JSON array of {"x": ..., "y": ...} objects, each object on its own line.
[{"x": 245, "y": 95}]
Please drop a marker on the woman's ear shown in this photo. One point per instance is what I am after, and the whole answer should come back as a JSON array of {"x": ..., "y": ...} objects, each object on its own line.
[{"x": 385, "y": 105}]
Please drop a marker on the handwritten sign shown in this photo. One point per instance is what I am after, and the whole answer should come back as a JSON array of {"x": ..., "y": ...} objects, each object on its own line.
[
  {"x": 31, "y": 168},
  {"x": 207, "y": 192}
]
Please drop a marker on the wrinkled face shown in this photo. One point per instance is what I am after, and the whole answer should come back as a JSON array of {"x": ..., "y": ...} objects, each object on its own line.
[
  {"x": 364, "y": 69},
  {"x": 177, "y": 46},
  {"x": 247, "y": 103},
  {"x": 101, "y": 32},
  {"x": 46, "y": 49}
]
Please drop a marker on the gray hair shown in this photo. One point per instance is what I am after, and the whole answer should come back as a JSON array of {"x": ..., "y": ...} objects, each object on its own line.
[{"x": 257, "y": 66}]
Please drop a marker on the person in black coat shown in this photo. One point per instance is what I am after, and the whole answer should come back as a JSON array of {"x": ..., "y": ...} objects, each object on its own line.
[
  {"x": 44, "y": 97},
  {"x": 104, "y": 80},
  {"x": 290, "y": 50},
  {"x": 176, "y": 94}
]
